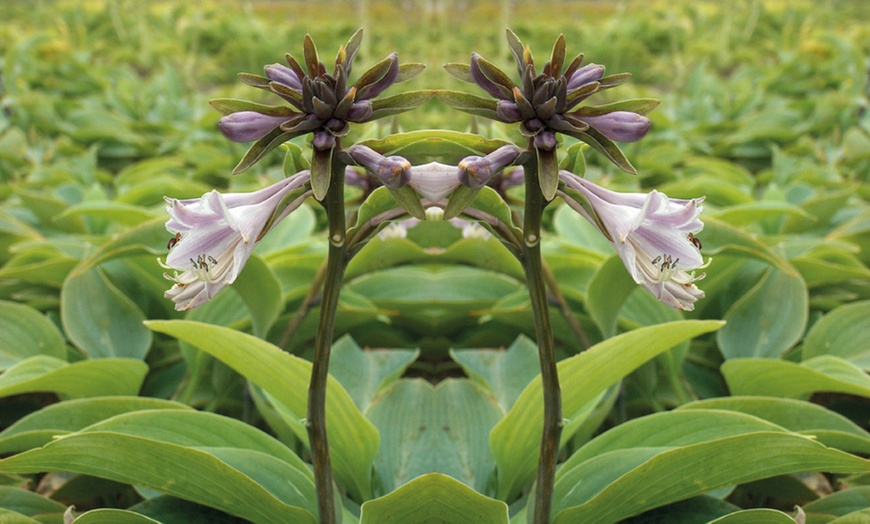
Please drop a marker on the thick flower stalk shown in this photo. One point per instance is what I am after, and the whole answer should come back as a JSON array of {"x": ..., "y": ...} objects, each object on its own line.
[
  {"x": 216, "y": 234},
  {"x": 548, "y": 102},
  {"x": 653, "y": 235},
  {"x": 318, "y": 103}
]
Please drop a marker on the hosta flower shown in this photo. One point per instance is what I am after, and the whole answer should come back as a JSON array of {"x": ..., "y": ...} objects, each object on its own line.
[
  {"x": 393, "y": 171},
  {"x": 653, "y": 235},
  {"x": 434, "y": 181},
  {"x": 548, "y": 102},
  {"x": 215, "y": 235},
  {"x": 475, "y": 171}
]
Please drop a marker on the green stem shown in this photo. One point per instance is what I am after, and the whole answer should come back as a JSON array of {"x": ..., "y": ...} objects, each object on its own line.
[
  {"x": 533, "y": 266},
  {"x": 335, "y": 265}
]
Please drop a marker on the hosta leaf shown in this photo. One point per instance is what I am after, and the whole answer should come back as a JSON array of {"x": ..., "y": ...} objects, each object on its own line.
[
  {"x": 608, "y": 290},
  {"x": 641, "y": 106},
  {"x": 779, "y": 378},
  {"x": 843, "y": 332},
  {"x": 87, "y": 378},
  {"x": 755, "y": 516},
  {"x": 353, "y": 439},
  {"x": 40, "y": 427},
  {"x": 393, "y": 105},
  {"x": 185, "y": 472},
  {"x": 27, "y": 502},
  {"x": 515, "y": 439},
  {"x": 25, "y": 332},
  {"x": 468, "y": 103},
  {"x": 420, "y": 147},
  {"x": 459, "y": 71},
  {"x": 619, "y": 484},
  {"x": 226, "y": 106},
  {"x": 434, "y": 498},
  {"x": 113, "y": 516}
]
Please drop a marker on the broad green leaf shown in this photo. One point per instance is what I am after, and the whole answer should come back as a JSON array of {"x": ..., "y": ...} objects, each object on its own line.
[
  {"x": 722, "y": 237},
  {"x": 100, "y": 320},
  {"x": 504, "y": 373},
  {"x": 840, "y": 503},
  {"x": 13, "y": 517},
  {"x": 608, "y": 290},
  {"x": 116, "y": 212},
  {"x": 515, "y": 439},
  {"x": 619, "y": 484},
  {"x": 365, "y": 373},
  {"x": 442, "y": 429},
  {"x": 353, "y": 439},
  {"x": 25, "y": 332},
  {"x": 461, "y": 198},
  {"x": 393, "y": 105},
  {"x": 434, "y": 498},
  {"x": 779, "y": 378},
  {"x": 828, "y": 427},
  {"x": 752, "y": 212},
  {"x": 113, "y": 516},
  {"x": 185, "y": 472},
  {"x": 260, "y": 289},
  {"x": 843, "y": 332},
  {"x": 469, "y": 103},
  {"x": 642, "y": 106},
  {"x": 406, "y": 197},
  {"x": 378, "y": 202},
  {"x": 755, "y": 516},
  {"x": 576, "y": 230},
  {"x": 448, "y": 147},
  {"x": 703, "y": 508},
  {"x": 149, "y": 237},
  {"x": 40, "y": 427},
  {"x": 226, "y": 106},
  {"x": 27, "y": 502},
  {"x": 856, "y": 517},
  {"x": 166, "y": 509},
  {"x": 87, "y": 378},
  {"x": 767, "y": 320}
]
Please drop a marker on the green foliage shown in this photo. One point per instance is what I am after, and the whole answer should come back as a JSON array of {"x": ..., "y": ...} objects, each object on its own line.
[{"x": 764, "y": 111}]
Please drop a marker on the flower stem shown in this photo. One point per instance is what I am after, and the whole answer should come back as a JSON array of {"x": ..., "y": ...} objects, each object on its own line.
[
  {"x": 335, "y": 265},
  {"x": 532, "y": 263}
]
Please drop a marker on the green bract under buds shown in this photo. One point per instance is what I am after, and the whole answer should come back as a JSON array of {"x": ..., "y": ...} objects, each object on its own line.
[
  {"x": 318, "y": 102},
  {"x": 547, "y": 102}
]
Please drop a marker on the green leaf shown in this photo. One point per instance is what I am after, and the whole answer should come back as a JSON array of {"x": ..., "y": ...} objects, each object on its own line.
[
  {"x": 425, "y": 500},
  {"x": 721, "y": 237},
  {"x": 100, "y": 320},
  {"x": 515, "y": 439},
  {"x": 226, "y": 106},
  {"x": 393, "y": 105},
  {"x": 504, "y": 373},
  {"x": 468, "y": 103},
  {"x": 88, "y": 378},
  {"x": 321, "y": 172},
  {"x": 409, "y": 71},
  {"x": 258, "y": 149},
  {"x": 459, "y": 71},
  {"x": 779, "y": 378},
  {"x": 548, "y": 172},
  {"x": 420, "y": 147},
  {"x": 843, "y": 332},
  {"x": 148, "y": 237},
  {"x": 40, "y": 427},
  {"x": 608, "y": 148},
  {"x": 260, "y": 288},
  {"x": 378, "y": 202},
  {"x": 840, "y": 503},
  {"x": 751, "y": 212},
  {"x": 27, "y": 502},
  {"x": 755, "y": 516},
  {"x": 619, "y": 484},
  {"x": 406, "y": 197},
  {"x": 441, "y": 429},
  {"x": 461, "y": 198},
  {"x": 197, "y": 475},
  {"x": 13, "y": 517},
  {"x": 167, "y": 509},
  {"x": 641, "y": 106},
  {"x": 608, "y": 290},
  {"x": 115, "y": 212},
  {"x": 353, "y": 439},
  {"x": 828, "y": 427},
  {"x": 113, "y": 516},
  {"x": 767, "y": 320},
  {"x": 363, "y": 374},
  {"x": 25, "y": 332}
]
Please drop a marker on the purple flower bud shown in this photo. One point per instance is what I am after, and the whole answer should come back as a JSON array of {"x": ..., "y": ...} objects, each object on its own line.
[
  {"x": 360, "y": 111},
  {"x": 546, "y": 140},
  {"x": 247, "y": 126},
  {"x": 475, "y": 171},
  {"x": 322, "y": 140},
  {"x": 283, "y": 75},
  {"x": 389, "y": 79},
  {"x": 584, "y": 75},
  {"x": 621, "y": 126},
  {"x": 508, "y": 111},
  {"x": 393, "y": 171}
]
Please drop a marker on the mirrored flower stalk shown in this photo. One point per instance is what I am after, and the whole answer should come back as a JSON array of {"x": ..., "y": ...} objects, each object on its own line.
[
  {"x": 548, "y": 102},
  {"x": 216, "y": 234},
  {"x": 318, "y": 103},
  {"x": 653, "y": 235}
]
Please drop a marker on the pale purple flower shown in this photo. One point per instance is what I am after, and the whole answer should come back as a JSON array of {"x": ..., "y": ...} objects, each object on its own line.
[
  {"x": 653, "y": 236},
  {"x": 621, "y": 126},
  {"x": 434, "y": 181},
  {"x": 247, "y": 126},
  {"x": 215, "y": 235}
]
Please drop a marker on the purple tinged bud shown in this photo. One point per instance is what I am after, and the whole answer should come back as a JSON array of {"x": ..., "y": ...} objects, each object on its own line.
[
  {"x": 621, "y": 126},
  {"x": 247, "y": 126},
  {"x": 546, "y": 140},
  {"x": 584, "y": 75},
  {"x": 389, "y": 79},
  {"x": 509, "y": 111},
  {"x": 475, "y": 171},
  {"x": 482, "y": 81},
  {"x": 323, "y": 140},
  {"x": 283, "y": 75},
  {"x": 393, "y": 171},
  {"x": 360, "y": 111}
]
